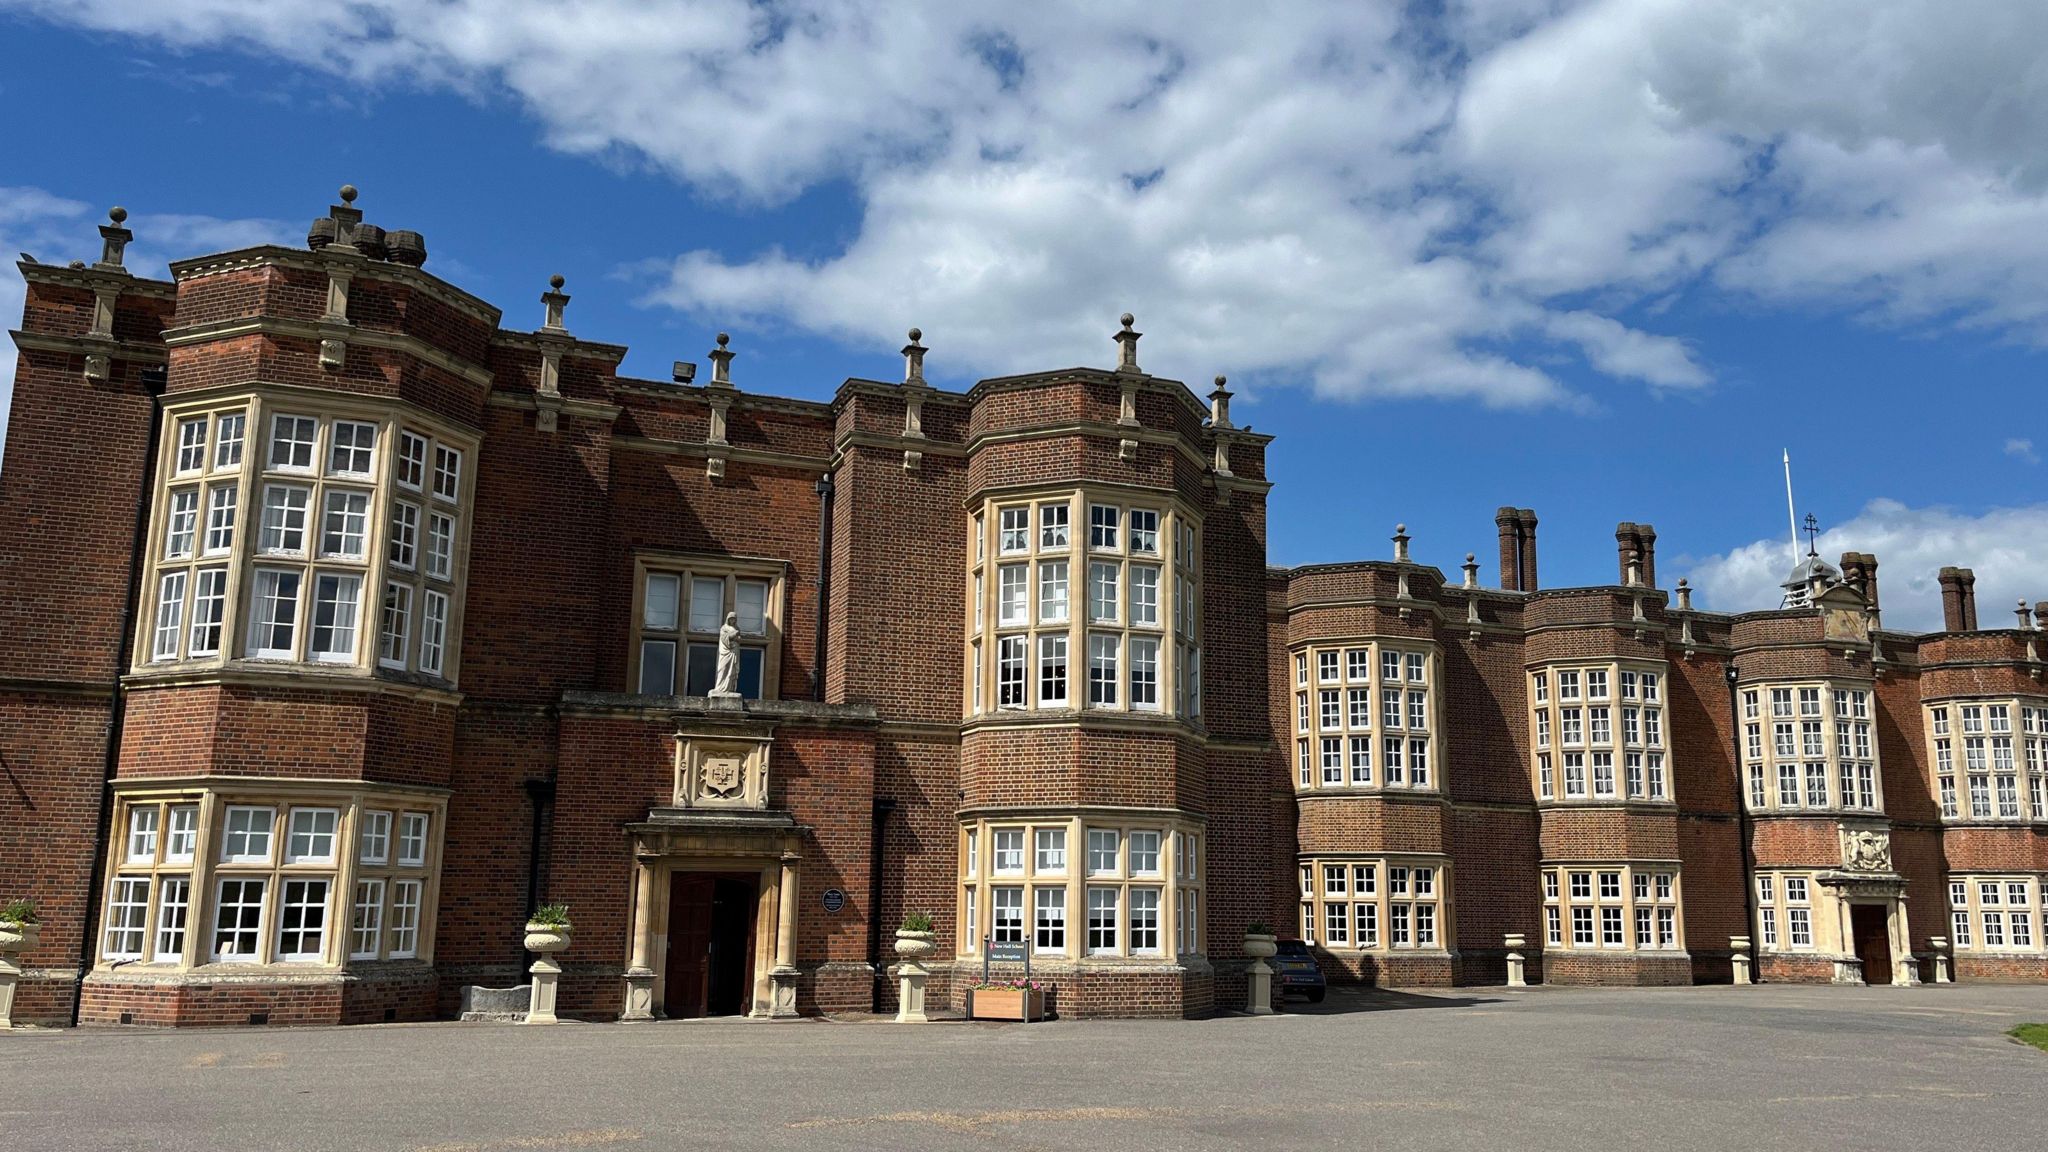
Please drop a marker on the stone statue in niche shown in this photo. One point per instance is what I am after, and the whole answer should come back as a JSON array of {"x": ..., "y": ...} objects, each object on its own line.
[
  {"x": 1867, "y": 850},
  {"x": 727, "y": 683}
]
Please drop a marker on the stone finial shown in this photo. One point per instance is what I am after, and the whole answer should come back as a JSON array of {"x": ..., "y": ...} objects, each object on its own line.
[
  {"x": 2026, "y": 619},
  {"x": 1127, "y": 345},
  {"x": 556, "y": 302},
  {"x": 2041, "y": 615},
  {"x": 1684, "y": 595},
  {"x": 721, "y": 362},
  {"x": 1400, "y": 544},
  {"x": 1219, "y": 404},
  {"x": 114, "y": 240},
  {"x": 348, "y": 193},
  {"x": 1634, "y": 576},
  {"x": 913, "y": 358},
  {"x": 1471, "y": 570}
]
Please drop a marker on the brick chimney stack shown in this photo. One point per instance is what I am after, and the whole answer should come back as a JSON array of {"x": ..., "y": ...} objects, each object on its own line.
[
  {"x": 1859, "y": 571},
  {"x": 1638, "y": 543},
  {"x": 1958, "y": 599},
  {"x": 1525, "y": 520},
  {"x": 1510, "y": 548}
]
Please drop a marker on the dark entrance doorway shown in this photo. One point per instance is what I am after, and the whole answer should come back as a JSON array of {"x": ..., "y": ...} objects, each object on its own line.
[
  {"x": 1871, "y": 925},
  {"x": 710, "y": 944}
]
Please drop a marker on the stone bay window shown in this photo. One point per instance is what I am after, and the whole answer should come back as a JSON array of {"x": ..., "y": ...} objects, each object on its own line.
[
  {"x": 1809, "y": 747},
  {"x": 1376, "y": 903},
  {"x": 270, "y": 873},
  {"x": 1084, "y": 601},
  {"x": 1597, "y": 733},
  {"x": 292, "y": 529},
  {"x": 1101, "y": 885},
  {"x": 1364, "y": 717},
  {"x": 1989, "y": 758}
]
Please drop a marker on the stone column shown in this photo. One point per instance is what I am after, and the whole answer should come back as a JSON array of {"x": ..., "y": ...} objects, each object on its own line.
[
  {"x": 784, "y": 976},
  {"x": 1741, "y": 959},
  {"x": 1517, "y": 975},
  {"x": 639, "y": 973}
]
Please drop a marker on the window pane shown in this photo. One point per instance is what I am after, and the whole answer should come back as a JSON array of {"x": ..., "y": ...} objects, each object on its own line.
[
  {"x": 702, "y": 671},
  {"x": 707, "y": 605},
  {"x": 751, "y": 598},
  {"x": 334, "y": 617},
  {"x": 659, "y": 609},
  {"x": 751, "y": 660}
]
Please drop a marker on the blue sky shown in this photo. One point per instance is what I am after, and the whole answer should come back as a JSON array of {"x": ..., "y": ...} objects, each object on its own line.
[{"x": 1601, "y": 259}]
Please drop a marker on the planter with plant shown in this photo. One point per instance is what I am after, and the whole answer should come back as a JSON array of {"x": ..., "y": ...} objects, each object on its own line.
[
  {"x": 916, "y": 939},
  {"x": 547, "y": 930},
  {"x": 21, "y": 928},
  {"x": 1017, "y": 999},
  {"x": 1259, "y": 941}
]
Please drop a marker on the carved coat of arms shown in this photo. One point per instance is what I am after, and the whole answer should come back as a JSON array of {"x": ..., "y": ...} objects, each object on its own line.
[
  {"x": 724, "y": 776},
  {"x": 1866, "y": 850}
]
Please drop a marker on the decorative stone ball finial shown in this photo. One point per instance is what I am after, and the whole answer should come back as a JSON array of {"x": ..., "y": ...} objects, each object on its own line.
[
  {"x": 1219, "y": 404},
  {"x": 721, "y": 362},
  {"x": 1127, "y": 320},
  {"x": 916, "y": 334},
  {"x": 1221, "y": 380},
  {"x": 1401, "y": 543},
  {"x": 556, "y": 281},
  {"x": 348, "y": 193},
  {"x": 117, "y": 214}
]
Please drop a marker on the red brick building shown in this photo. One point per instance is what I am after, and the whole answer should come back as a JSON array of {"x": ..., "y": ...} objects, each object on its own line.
[{"x": 344, "y": 623}]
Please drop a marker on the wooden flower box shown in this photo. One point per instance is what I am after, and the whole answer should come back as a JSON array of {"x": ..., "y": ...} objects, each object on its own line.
[{"x": 1007, "y": 1004}]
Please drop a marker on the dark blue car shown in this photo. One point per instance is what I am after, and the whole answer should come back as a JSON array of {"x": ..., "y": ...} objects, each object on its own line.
[{"x": 1295, "y": 970}]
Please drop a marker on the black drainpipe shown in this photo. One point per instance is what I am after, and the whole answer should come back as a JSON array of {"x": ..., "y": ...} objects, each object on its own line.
[
  {"x": 1746, "y": 824},
  {"x": 540, "y": 794},
  {"x": 154, "y": 377},
  {"x": 824, "y": 583},
  {"x": 884, "y": 805}
]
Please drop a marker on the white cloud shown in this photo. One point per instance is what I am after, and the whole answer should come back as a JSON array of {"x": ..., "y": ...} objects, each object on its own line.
[
  {"x": 57, "y": 230},
  {"x": 2007, "y": 548},
  {"x": 1329, "y": 193},
  {"x": 2022, "y": 448}
]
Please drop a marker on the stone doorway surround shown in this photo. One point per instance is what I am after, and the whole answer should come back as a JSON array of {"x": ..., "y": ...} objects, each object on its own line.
[
  {"x": 718, "y": 821},
  {"x": 1867, "y": 878}
]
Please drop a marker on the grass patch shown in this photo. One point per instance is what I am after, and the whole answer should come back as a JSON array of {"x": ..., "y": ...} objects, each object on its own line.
[{"x": 2035, "y": 1034}]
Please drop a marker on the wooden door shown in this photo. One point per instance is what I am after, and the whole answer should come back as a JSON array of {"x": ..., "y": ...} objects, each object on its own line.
[
  {"x": 690, "y": 898},
  {"x": 1871, "y": 924}
]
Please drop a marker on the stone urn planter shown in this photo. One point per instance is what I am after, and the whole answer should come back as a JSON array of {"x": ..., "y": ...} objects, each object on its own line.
[
  {"x": 19, "y": 932},
  {"x": 19, "y": 935},
  {"x": 547, "y": 939},
  {"x": 547, "y": 933},
  {"x": 912, "y": 946},
  {"x": 1260, "y": 944}
]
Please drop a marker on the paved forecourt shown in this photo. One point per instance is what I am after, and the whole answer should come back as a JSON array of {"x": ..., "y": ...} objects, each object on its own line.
[{"x": 1688, "y": 1068}]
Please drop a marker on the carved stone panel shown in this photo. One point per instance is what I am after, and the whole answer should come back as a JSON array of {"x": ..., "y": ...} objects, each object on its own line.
[
  {"x": 721, "y": 770},
  {"x": 1866, "y": 850}
]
